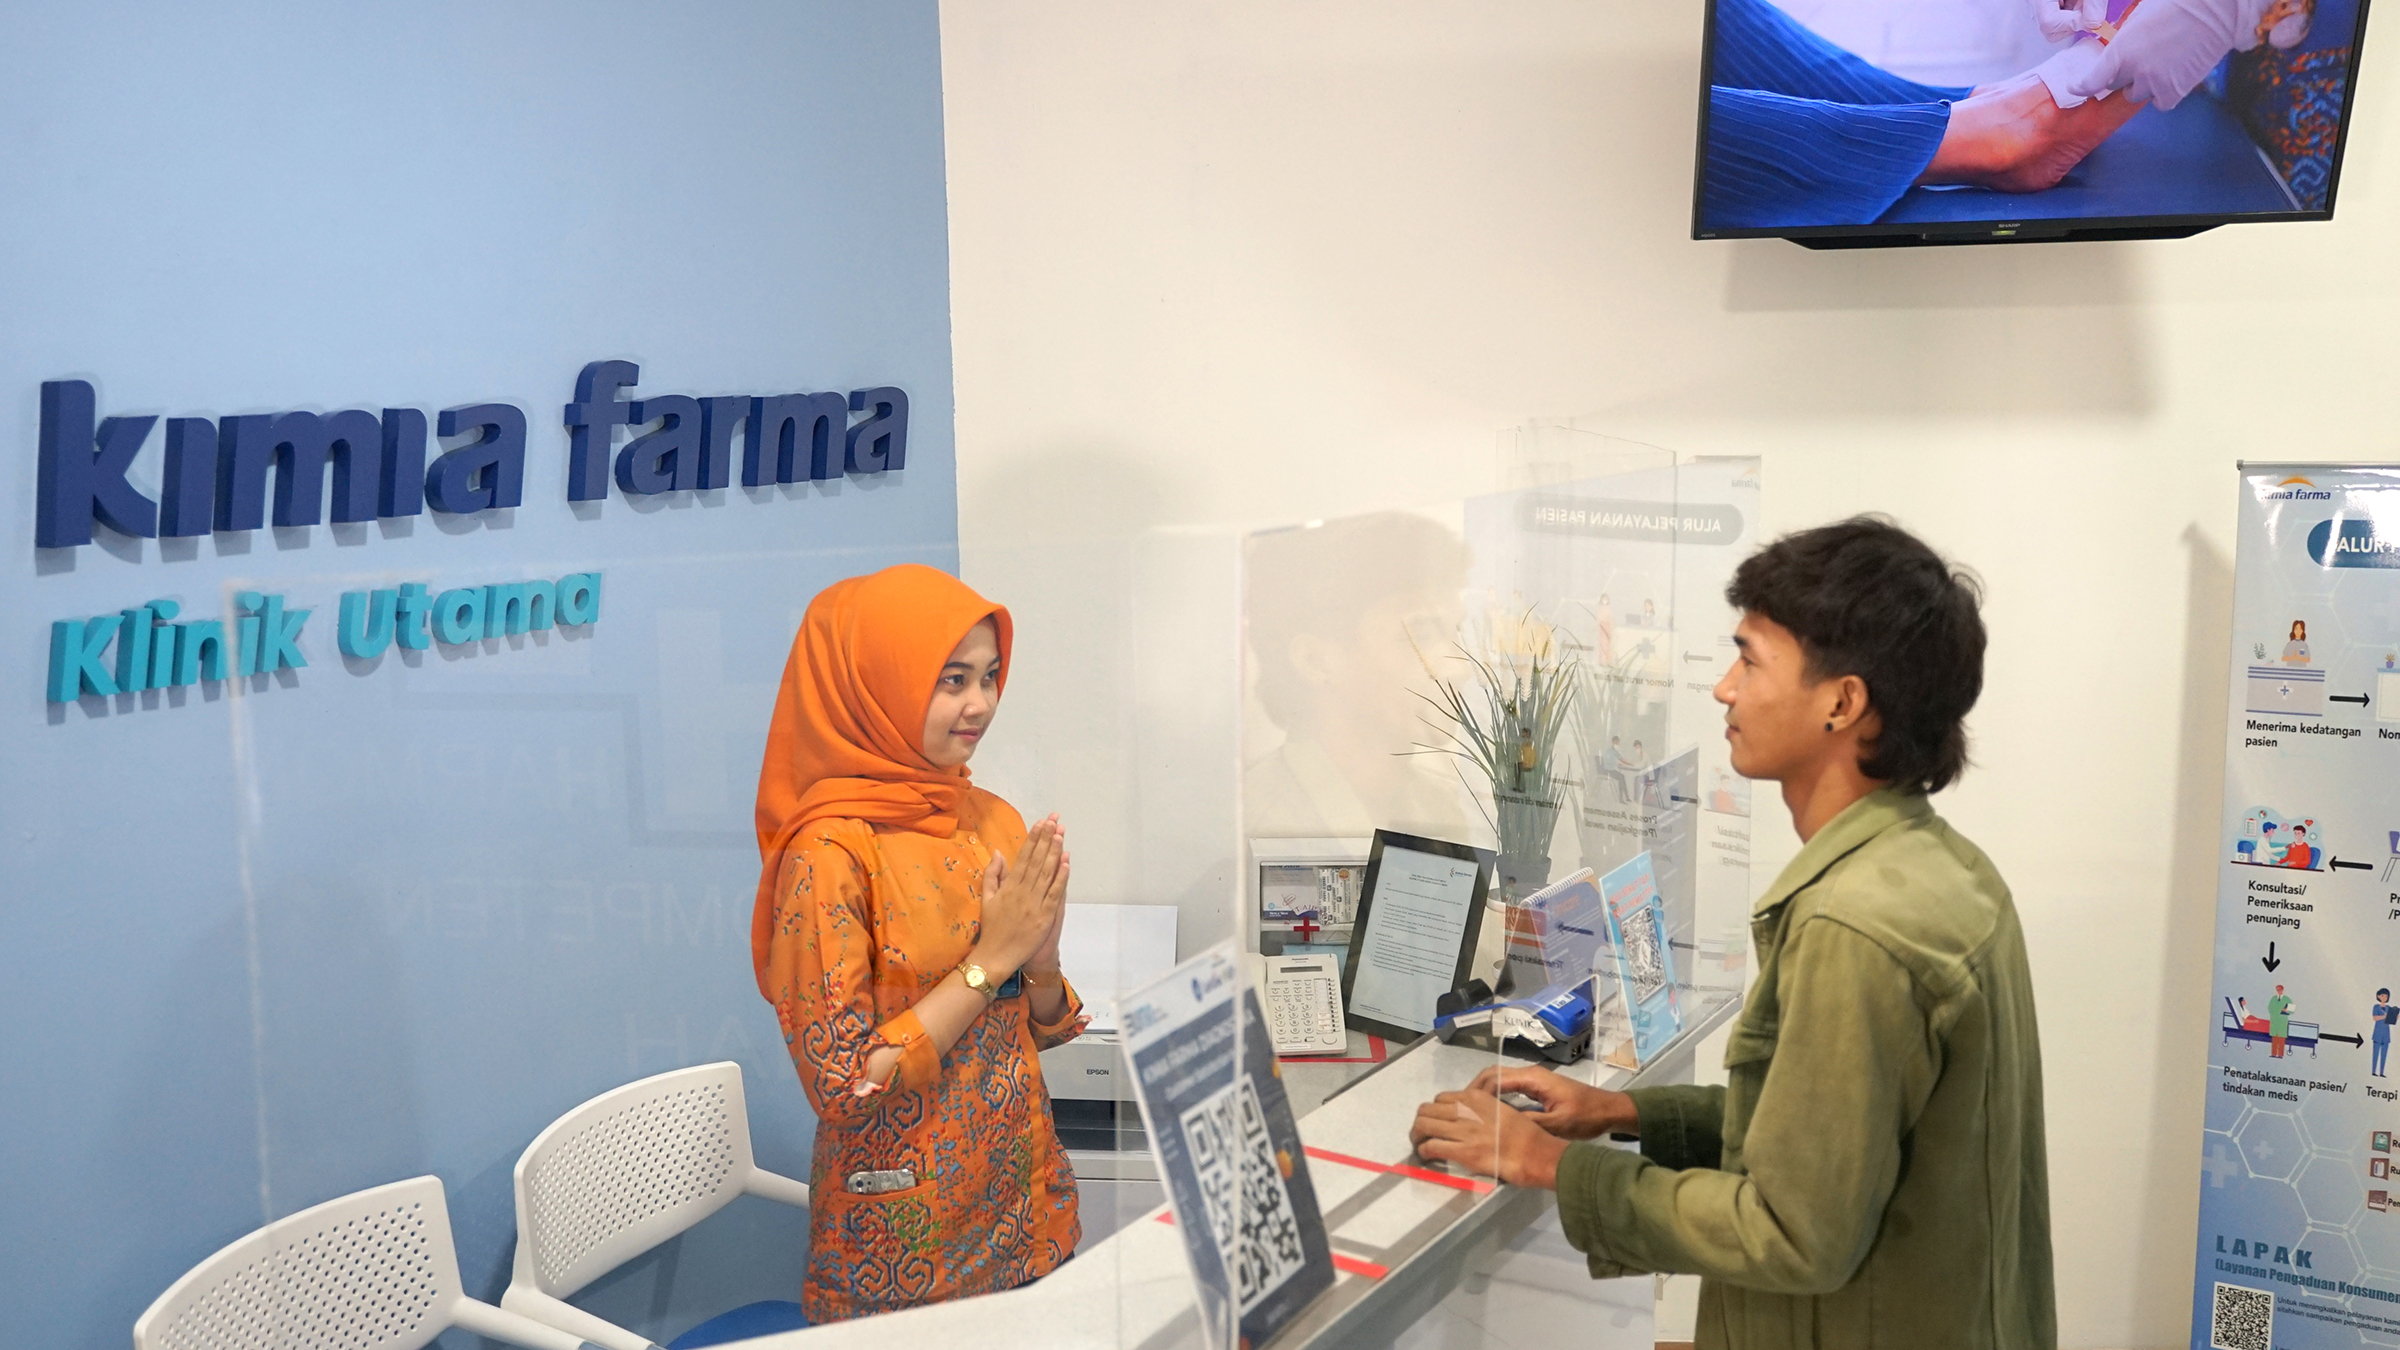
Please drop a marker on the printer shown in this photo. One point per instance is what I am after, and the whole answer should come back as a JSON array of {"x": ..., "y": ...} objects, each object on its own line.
[{"x": 1105, "y": 950}]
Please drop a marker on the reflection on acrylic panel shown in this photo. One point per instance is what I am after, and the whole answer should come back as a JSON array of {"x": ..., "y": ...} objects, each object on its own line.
[
  {"x": 1628, "y": 572},
  {"x": 557, "y": 889},
  {"x": 1338, "y": 619},
  {"x": 1529, "y": 670}
]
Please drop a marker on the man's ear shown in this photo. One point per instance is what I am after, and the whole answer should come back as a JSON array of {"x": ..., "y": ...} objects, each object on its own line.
[{"x": 1850, "y": 704}]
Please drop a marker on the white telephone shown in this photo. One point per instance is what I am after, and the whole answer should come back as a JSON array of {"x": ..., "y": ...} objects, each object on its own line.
[{"x": 1302, "y": 999}]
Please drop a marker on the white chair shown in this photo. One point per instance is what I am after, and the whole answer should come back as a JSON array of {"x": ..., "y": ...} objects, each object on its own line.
[
  {"x": 621, "y": 1174},
  {"x": 375, "y": 1270}
]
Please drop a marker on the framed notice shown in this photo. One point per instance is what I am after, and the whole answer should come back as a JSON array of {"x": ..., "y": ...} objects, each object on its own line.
[{"x": 1419, "y": 913}]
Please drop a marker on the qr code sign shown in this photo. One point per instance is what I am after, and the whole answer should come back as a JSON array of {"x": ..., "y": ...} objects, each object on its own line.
[
  {"x": 2243, "y": 1319},
  {"x": 1271, "y": 1248},
  {"x": 1208, "y": 1134},
  {"x": 1242, "y": 1189}
]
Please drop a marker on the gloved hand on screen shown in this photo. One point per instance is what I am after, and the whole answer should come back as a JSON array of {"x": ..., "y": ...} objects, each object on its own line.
[
  {"x": 2071, "y": 70},
  {"x": 2285, "y": 23},
  {"x": 2065, "y": 18},
  {"x": 2164, "y": 48}
]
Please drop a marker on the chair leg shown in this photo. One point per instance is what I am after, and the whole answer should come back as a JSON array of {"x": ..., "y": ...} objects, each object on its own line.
[
  {"x": 540, "y": 1307},
  {"x": 499, "y": 1324}
]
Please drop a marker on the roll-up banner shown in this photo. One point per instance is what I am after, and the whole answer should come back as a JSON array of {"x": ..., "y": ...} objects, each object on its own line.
[{"x": 2299, "y": 1232}]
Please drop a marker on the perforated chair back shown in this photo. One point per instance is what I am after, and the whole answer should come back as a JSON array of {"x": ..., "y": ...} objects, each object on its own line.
[
  {"x": 627, "y": 1170},
  {"x": 371, "y": 1271}
]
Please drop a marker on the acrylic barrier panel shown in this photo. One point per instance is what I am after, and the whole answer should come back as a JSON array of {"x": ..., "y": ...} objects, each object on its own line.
[
  {"x": 1617, "y": 581},
  {"x": 1120, "y": 714},
  {"x": 537, "y": 885},
  {"x": 1527, "y": 673},
  {"x": 1124, "y": 703},
  {"x": 587, "y": 922},
  {"x": 274, "y": 939}
]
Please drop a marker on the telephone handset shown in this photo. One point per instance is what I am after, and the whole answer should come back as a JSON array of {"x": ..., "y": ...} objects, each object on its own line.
[{"x": 1301, "y": 996}]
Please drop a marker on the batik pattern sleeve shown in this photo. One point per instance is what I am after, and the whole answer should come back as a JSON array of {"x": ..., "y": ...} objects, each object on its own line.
[
  {"x": 1848, "y": 1071},
  {"x": 1069, "y": 1025},
  {"x": 822, "y": 973}
]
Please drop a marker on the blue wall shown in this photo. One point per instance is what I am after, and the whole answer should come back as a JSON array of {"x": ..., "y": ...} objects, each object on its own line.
[{"x": 276, "y": 939}]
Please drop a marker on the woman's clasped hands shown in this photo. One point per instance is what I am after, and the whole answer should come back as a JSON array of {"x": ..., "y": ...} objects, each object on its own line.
[{"x": 1025, "y": 904}]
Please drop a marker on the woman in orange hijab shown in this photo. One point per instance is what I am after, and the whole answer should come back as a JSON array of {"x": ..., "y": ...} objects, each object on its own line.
[{"x": 907, "y": 933}]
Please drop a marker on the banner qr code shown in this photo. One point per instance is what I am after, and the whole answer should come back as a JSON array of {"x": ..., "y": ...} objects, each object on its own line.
[
  {"x": 1242, "y": 1189},
  {"x": 2243, "y": 1319}
]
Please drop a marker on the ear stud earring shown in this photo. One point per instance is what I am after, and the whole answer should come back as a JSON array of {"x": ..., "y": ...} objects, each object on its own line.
[{"x": 1829, "y": 726}]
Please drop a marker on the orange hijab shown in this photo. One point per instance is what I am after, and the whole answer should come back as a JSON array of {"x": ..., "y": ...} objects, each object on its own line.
[{"x": 848, "y": 735}]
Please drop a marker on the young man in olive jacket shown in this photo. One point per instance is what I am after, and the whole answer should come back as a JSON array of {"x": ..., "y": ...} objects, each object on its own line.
[{"x": 1873, "y": 1173}]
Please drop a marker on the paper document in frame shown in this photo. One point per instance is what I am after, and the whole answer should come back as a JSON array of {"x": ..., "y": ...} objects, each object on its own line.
[
  {"x": 1643, "y": 957},
  {"x": 1222, "y": 1134}
]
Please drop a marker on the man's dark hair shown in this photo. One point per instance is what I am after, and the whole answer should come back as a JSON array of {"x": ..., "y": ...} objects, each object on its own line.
[{"x": 1868, "y": 598}]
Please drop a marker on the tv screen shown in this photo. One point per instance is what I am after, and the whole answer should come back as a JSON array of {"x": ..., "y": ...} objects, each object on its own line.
[{"x": 1862, "y": 122}]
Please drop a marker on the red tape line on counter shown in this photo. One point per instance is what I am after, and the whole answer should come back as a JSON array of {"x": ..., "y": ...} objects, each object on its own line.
[
  {"x": 1352, "y": 1264},
  {"x": 1357, "y": 1267},
  {"x": 1475, "y": 1184}
]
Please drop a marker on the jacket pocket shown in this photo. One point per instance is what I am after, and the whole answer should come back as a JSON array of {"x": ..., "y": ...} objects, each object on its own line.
[
  {"x": 1748, "y": 1051},
  {"x": 883, "y": 1250},
  {"x": 1747, "y": 1044}
]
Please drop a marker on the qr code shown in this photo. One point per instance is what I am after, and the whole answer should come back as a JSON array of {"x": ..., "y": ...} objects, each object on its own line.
[
  {"x": 1247, "y": 1202},
  {"x": 2243, "y": 1319},
  {"x": 1642, "y": 959}
]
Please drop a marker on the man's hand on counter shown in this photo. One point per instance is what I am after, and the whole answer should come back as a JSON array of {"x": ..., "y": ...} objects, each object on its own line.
[
  {"x": 1566, "y": 1108},
  {"x": 1481, "y": 1133}
]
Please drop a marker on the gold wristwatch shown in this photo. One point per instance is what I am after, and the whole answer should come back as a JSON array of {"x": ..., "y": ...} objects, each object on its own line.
[{"x": 975, "y": 978}]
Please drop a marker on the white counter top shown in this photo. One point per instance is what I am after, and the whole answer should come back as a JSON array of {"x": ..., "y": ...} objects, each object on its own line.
[{"x": 1404, "y": 1235}]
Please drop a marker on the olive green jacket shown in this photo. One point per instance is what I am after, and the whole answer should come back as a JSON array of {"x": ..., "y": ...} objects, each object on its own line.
[{"x": 1873, "y": 1173}]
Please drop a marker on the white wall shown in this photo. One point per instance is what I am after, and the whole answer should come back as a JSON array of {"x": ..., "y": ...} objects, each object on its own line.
[{"x": 1229, "y": 263}]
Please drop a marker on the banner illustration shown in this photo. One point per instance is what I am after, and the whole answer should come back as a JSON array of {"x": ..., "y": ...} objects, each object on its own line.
[{"x": 2299, "y": 1242}]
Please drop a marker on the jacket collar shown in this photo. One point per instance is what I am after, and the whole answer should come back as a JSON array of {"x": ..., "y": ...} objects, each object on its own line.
[{"x": 1859, "y": 822}]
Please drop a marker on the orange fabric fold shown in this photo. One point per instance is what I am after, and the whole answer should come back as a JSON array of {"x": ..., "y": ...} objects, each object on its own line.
[{"x": 847, "y": 739}]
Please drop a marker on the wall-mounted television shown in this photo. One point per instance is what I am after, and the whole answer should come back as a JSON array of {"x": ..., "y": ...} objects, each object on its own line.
[{"x": 1873, "y": 123}]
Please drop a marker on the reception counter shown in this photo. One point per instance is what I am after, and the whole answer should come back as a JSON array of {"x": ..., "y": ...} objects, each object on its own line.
[{"x": 1421, "y": 1253}]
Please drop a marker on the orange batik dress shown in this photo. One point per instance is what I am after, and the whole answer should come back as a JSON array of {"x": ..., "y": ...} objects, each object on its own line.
[
  {"x": 870, "y": 894},
  {"x": 870, "y": 921}
]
